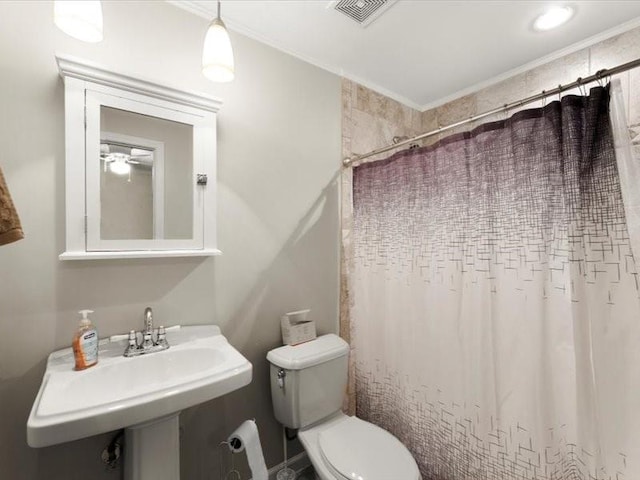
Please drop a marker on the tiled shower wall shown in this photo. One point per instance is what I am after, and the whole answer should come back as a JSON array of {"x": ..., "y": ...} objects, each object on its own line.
[{"x": 371, "y": 120}]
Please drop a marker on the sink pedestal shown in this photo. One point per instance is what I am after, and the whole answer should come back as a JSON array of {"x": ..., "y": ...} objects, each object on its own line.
[{"x": 152, "y": 450}]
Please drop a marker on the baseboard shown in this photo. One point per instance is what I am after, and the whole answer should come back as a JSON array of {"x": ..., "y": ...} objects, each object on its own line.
[{"x": 297, "y": 463}]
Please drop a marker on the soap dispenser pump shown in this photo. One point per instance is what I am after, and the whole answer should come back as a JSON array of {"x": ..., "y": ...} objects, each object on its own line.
[{"x": 85, "y": 342}]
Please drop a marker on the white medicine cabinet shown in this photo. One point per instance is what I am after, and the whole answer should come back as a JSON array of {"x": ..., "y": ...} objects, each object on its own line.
[{"x": 140, "y": 166}]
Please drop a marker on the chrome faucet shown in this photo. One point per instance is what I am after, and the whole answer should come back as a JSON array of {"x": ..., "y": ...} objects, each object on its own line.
[{"x": 147, "y": 345}]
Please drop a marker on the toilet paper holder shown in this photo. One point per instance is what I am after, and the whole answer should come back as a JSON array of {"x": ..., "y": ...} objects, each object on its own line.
[
  {"x": 235, "y": 444},
  {"x": 246, "y": 439}
]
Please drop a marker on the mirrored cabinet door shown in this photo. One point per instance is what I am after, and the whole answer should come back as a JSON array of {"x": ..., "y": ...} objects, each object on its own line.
[
  {"x": 141, "y": 189},
  {"x": 143, "y": 167}
]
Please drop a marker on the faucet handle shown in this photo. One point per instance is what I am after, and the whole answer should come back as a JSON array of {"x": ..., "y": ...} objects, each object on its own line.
[
  {"x": 147, "y": 341},
  {"x": 133, "y": 344},
  {"x": 162, "y": 337}
]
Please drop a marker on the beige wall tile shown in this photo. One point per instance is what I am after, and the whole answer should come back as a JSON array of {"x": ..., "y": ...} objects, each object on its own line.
[
  {"x": 362, "y": 95},
  {"x": 346, "y": 147},
  {"x": 346, "y": 84},
  {"x": 632, "y": 93},
  {"x": 381, "y": 106},
  {"x": 455, "y": 111},
  {"x": 614, "y": 51},
  {"x": 416, "y": 121},
  {"x": 347, "y": 99},
  {"x": 558, "y": 72},
  {"x": 371, "y": 120},
  {"x": 429, "y": 120},
  {"x": 371, "y": 132},
  {"x": 507, "y": 91}
]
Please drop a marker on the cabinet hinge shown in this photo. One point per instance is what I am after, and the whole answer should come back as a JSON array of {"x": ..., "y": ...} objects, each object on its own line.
[{"x": 85, "y": 224}]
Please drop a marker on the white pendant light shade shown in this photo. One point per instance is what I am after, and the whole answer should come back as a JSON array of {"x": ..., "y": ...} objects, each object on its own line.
[
  {"x": 80, "y": 19},
  {"x": 217, "y": 54}
]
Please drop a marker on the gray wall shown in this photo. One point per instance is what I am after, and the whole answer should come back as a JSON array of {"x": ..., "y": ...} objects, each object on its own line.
[
  {"x": 279, "y": 153},
  {"x": 126, "y": 203}
]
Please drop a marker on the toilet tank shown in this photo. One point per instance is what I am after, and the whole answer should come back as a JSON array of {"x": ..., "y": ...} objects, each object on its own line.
[{"x": 308, "y": 381}]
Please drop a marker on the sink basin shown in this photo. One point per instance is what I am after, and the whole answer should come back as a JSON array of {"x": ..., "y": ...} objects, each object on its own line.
[{"x": 120, "y": 392}]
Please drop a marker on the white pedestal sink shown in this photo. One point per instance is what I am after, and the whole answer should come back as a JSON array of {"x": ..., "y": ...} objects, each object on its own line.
[{"x": 144, "y": 395}]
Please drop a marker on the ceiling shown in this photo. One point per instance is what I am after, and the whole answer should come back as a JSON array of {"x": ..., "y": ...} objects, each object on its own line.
[{"x": 422, "y": 52}]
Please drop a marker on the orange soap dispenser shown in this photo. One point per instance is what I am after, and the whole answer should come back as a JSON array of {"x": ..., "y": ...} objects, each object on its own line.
[{"x": 85, "y": 342}]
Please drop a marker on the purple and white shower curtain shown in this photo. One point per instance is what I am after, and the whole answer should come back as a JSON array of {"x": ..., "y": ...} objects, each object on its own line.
[{"x": 496, "y": 311}]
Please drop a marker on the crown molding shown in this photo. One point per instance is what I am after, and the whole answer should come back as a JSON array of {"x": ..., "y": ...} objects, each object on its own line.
[{"x": 76, "y": 68}]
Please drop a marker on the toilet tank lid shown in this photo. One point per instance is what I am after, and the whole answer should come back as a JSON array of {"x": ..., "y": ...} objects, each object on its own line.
[{"x": 296, "y": 357}]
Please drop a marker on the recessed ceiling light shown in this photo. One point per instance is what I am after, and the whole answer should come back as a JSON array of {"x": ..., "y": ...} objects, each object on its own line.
[{"x": 552, "y": 18}]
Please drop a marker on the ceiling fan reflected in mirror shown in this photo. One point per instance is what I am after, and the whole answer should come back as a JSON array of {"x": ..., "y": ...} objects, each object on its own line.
[{"x": 118, "y": 159}]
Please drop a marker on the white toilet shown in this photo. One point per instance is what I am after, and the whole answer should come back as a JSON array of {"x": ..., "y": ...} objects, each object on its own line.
[{"x": 308, "y": 382}]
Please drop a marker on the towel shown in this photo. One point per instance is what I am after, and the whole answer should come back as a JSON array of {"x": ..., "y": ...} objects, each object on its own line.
[{"x": 10, "y": 228}]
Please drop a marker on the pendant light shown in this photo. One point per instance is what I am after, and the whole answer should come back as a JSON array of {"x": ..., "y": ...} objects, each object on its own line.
[
  {"x": 79, "y": 19},
  {"x": 217, "y": 54}
]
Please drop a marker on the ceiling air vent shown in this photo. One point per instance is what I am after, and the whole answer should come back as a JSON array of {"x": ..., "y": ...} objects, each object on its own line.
[{"x": 362, "y": 11}]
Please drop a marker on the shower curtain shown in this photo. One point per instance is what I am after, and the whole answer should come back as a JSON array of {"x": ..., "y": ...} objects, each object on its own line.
[{"x": 496, "y": 310}]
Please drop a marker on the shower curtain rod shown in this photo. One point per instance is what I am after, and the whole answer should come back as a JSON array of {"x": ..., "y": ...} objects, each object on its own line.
[{"x": 599, "y": 75}]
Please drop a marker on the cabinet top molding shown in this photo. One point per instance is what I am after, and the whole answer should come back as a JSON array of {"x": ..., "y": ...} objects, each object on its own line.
[{"x": 75, "y": 68}]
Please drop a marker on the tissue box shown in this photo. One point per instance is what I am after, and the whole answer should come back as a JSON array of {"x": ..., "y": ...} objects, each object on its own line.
[{"x": 296, "y": 328}]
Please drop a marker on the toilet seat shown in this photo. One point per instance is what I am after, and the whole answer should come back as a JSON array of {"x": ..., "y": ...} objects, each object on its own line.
[{"x": 353, "y": 449}]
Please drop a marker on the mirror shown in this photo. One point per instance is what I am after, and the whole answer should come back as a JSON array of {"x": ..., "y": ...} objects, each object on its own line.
[
  {"x": 129, "y": 197},
  {"x": 140, "y": 166},
  {"x": 145, "y": 177}
]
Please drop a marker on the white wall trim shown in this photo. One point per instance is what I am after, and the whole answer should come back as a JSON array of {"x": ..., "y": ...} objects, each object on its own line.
[
  {"x": 91, "y": 72},
  {"x": 207, "y": 252}
]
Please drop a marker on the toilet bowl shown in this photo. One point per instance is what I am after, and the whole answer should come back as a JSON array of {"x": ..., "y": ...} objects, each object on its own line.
[
  {"x": 308, "y": 382},
  {"x": 346, "y": 447}
]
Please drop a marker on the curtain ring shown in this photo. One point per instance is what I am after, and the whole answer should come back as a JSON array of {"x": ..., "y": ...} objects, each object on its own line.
[
  {"x": 559, "y": 92},
  {"x": 581, "y": 87},
  {"x": 544, "y": 98}
]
